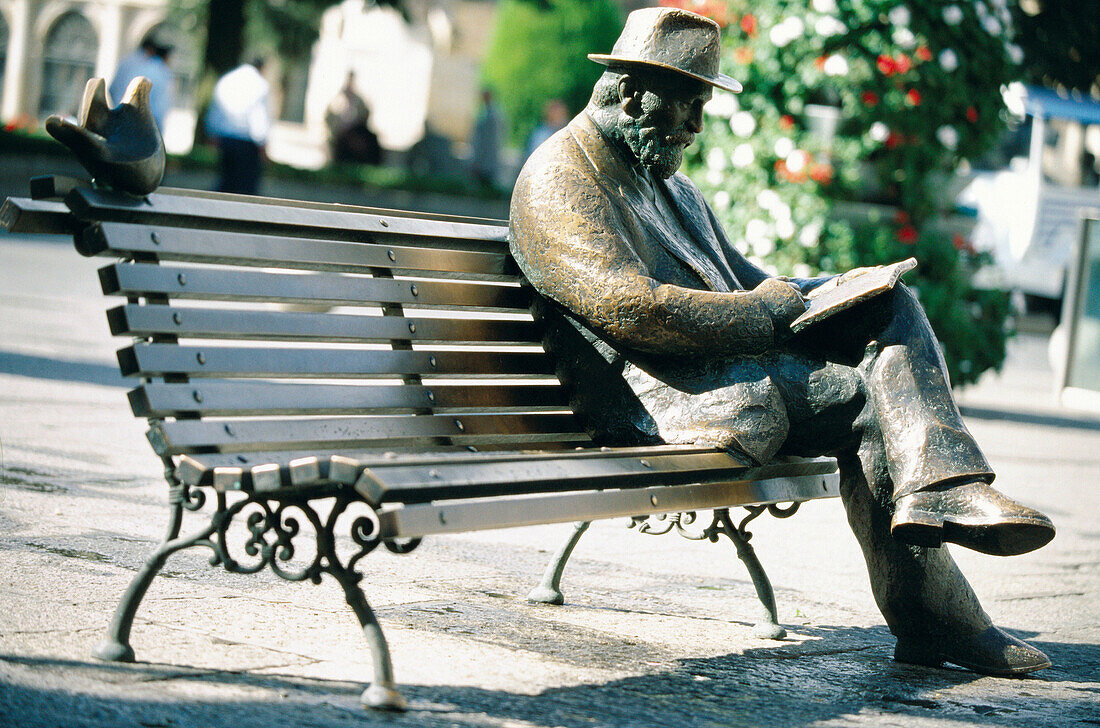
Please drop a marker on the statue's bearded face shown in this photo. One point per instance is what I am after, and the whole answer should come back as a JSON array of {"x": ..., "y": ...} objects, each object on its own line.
[{"x": 671, "y": 114}]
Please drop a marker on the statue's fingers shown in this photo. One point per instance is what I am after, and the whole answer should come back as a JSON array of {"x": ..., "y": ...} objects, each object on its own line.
[
  {"x": 81, "y": 141},
  {"x": 93, "y": 107},
  {"x": 137, "y": 95}
]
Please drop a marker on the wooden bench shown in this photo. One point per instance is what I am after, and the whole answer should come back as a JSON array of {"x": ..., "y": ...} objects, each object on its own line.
[{"x": 364, "y": 378}]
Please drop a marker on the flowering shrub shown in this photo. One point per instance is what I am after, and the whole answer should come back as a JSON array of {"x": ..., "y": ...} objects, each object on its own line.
[{"x": 877, "y": 100}]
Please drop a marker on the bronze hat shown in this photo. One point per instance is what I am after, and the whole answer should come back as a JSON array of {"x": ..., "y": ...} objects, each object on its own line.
[{"x": 673, "y": 39}]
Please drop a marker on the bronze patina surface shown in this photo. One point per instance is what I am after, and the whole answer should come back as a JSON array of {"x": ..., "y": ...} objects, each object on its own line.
[
  {"x": 121, "y": 147},
  {"x": 668, "y": 334}
]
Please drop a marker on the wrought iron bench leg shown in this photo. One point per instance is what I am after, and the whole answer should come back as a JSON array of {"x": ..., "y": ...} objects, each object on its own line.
[
  {"x": 115, "y": 647},
  {"x": 382, "y": 694},
  {"x": 549, "y": 589},
  {"x": 767, "y": 626}
]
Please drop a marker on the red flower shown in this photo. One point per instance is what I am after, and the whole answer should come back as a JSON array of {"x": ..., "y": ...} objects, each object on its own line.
[
  {"x": 886, "y": 65},
  {"x": 913, "y": 97},
  {"x": 821, "y": 173},
  {"x": 962, "y": 244},
  {"x": 743, "y": 55},
  {"x": 870, "y": 98},
  {"x": 972, "y": 115},
  {"x": 819, "y": 62},
  {"x": 786, "y": 122},
  {"x": 893, "y": 140},
  {"x": 907, "y": 235},
  {"x": 785, "y": 173},
  {"x": 924, "y": 54},
  {"x": 902, "y": 64},
  {"x": 749, "y": 25}
]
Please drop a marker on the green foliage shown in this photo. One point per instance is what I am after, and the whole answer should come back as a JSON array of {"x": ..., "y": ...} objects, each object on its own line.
[
  {"x": 538, "y": 53},
  {"x": 205, "y": 159},
  {"x": 912, "y": 88},
  {"x": 1061, "y": 40}
]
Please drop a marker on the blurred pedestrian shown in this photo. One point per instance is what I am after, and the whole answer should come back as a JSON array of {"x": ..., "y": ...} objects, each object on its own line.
[
  {"x": 486, "y": 141},
  {"x": 350, "y": 137},
  {"x": 149, "y": 60},
  {"x": 555, "y": 115},
  {"x": 239, "y": 122}
]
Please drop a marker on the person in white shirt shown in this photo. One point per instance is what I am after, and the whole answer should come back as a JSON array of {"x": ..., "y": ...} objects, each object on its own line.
[
  {"x": 149, "y": 60},
  {"x": 239, "y": 121}
]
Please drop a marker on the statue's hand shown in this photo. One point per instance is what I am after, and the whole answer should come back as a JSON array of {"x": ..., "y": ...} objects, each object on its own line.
[
  {"x": 783, "y": 300},
  {"x": 121, "y": 147}
]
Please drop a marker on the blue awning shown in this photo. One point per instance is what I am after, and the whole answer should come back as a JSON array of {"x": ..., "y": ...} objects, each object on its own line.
[{"x": 1050, "y": 104}]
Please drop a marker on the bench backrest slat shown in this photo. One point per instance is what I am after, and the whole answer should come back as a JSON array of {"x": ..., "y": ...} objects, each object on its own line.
[
  {"x": 186, "y": 436},
  {"x": 211, "y": 246},
  {"x": 22, "y": 215},
  {"x": 254, "y": 468},
  {"x": 148, "y": 321},
  {"x": 210, "y": 398},
  {"x": 219, "y": 361},
  {"x": 140, "y": 279},
  {"x": 238, "y": 214}
]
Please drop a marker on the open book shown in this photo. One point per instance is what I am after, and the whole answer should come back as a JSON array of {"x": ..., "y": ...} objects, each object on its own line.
[{"x": 851, "y": 292}]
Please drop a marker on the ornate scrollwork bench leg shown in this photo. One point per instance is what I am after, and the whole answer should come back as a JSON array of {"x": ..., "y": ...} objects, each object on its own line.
[
  {"x": 115, "y": 646},
  {"x": 767, "y": 626},
  {"x": 272, "y": 525}
]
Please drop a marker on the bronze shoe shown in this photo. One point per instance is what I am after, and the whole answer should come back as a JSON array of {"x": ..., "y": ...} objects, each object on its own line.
[
  {"x": 990, "y": 652},
  {"x": 973, "y": 515}
]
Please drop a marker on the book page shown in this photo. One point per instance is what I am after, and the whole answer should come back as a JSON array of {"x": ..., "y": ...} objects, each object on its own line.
[{"x": 851, "y": 292}]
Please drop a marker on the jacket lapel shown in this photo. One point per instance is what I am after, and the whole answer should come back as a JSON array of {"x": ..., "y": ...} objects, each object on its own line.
[{"x": 696, "y": 220}]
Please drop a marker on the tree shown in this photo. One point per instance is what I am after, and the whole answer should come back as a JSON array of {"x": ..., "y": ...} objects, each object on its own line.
[
  {"x": 872, "y": 99},
  {"x": 286, "y": 27},
  {"x": 1061, "y": 41},
  {"x": 537, "y": 53}
]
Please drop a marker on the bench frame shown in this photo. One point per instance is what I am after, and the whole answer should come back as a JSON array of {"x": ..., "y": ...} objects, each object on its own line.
[{"x": 346, "y": 507}]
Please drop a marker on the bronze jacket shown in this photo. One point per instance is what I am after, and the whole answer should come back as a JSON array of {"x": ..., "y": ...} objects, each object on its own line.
[{"x": 681, "y": 314}]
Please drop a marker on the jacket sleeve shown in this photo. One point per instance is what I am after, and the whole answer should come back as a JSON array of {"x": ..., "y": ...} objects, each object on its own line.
[{"x": 576, "y": 246}]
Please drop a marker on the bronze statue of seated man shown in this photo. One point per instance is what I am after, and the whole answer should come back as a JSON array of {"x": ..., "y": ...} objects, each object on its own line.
[{"x": 673, "y": 336}]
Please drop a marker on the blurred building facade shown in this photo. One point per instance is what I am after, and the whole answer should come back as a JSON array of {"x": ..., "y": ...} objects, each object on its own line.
[
  {"x": 418, "y": 70},
  {"x": 50, "y": 48}
]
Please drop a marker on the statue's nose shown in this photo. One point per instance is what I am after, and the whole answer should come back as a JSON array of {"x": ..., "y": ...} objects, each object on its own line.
[{"x": 695, "y": 119}]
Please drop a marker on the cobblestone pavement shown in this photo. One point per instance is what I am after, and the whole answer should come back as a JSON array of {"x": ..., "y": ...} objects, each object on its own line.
[{"x": 656, "y": 630}]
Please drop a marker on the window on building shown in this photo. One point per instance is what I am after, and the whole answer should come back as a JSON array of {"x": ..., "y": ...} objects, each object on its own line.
[
  {"x": 4, "y": 33},
  {"x": 68, "y": 62},
  {"x": 294, "y": 81}
]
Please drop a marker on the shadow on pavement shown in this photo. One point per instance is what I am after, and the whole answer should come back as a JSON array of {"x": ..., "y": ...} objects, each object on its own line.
[
  {"x": 1083, "y": 422},
  {"x": 42, "y": 367},
  {"x": 827, "y": 683}
]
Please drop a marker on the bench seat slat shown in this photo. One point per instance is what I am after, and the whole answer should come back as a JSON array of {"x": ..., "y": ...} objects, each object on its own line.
[
  {"x": 145, "y": 321},
  {"x": 219, "y": 398},
  {"x": 184, "y": 436},
  {"x": 138, "y": 279},
  {"x": 215, "y": 246},
  {"x": 460, "y": 516},
  {"x": 242, "y": 214},
  {"x": 157, "y": 360},
  {"x": 420, "y": 483}
]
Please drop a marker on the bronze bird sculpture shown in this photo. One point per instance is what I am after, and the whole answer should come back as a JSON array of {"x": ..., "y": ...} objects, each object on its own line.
[{"x": 121, "y": 147}]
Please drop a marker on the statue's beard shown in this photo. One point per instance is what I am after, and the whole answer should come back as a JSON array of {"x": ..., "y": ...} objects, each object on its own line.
[{"x": 659, "y": 152}]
